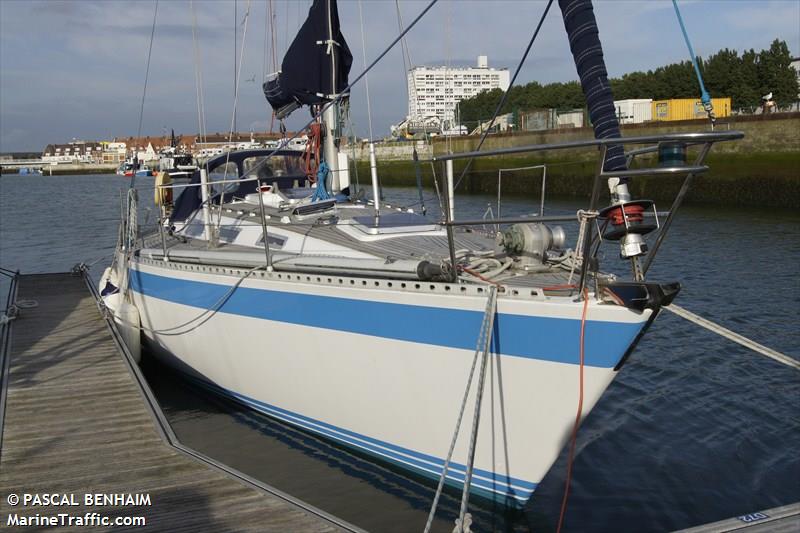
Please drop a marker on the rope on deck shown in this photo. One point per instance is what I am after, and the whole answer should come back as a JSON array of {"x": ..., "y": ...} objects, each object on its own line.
[{"x": 735, "y": 337}]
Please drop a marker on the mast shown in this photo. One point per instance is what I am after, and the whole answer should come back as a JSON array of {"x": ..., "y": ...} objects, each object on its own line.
[
  {"x": 329, "y": 120},
  {"x": 313, "y": 72}
]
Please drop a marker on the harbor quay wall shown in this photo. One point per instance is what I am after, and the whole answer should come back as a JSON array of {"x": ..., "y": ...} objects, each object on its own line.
[
  {"x": 389, "y": 151},
  {"x": 763, "y": 169},
  {"x": 64, "y": 169}
]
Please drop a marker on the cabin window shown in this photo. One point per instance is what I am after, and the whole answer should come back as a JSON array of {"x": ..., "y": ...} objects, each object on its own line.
[
  {"x": 224, "y": 172},
  {"x": 275, "y": 166},
  {"x": 275, "y": 241}
]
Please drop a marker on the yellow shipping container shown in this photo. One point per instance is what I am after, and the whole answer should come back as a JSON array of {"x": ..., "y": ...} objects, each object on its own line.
[{"x": 689, "y": 108}]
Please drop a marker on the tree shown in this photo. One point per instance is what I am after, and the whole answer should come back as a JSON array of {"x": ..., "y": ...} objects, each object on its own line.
[
  {"x": 746, "y": 90},
  {"x": 745, "y": 79},
  {"x": 479, "y": 107},
  {"x": 776, "y": 74},
  {"x": 722, "y": 72}
]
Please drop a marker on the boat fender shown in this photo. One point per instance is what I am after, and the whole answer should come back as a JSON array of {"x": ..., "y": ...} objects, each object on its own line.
[{"x": 162, "y": 196}]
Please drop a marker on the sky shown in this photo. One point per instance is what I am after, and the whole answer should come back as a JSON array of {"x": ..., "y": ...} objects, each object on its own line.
[{"x": 76, "y": 69}]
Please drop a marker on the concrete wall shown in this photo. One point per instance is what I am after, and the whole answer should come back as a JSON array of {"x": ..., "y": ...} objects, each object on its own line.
[
  {"x": 763, "y": 169},
  {"x": 763, "y": 133},
  {"x": 78, "y": 168},
  {"x": 390, "y": 151}
]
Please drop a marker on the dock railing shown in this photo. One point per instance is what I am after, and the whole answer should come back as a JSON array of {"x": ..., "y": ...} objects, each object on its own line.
[
  {"x": 6, "y": 316},
  {"x": 704, "y": 140}
]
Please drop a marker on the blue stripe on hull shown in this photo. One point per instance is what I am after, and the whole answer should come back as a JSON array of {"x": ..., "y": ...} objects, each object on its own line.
[
  {"x": 534, "y": 337},
  {"x": 489, "y": 485}
]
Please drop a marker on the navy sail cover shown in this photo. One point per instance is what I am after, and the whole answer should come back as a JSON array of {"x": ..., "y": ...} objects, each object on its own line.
[
  {"x": 306, "y": 72},
  {"x": 584, "y": 42}
]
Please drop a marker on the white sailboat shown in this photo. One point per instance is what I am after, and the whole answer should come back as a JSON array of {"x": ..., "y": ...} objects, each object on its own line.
[{"x": 269, "y": 283}]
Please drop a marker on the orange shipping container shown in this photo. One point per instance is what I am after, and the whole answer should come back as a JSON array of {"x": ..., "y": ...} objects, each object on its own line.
[{"x": 689, "y": 108}]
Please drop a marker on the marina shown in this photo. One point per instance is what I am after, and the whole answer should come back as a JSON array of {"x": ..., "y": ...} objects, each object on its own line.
[{"x": 664, "y": 409}]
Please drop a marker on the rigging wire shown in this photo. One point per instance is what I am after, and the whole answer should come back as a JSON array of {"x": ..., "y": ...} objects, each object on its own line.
[
  {"x": 299, "y": 19},
  {"x": 408, "y": 64},
  {"x": 704, "y": 96},
  {"x": 245, "y": 22},
  {"x": 404, "y": 51},
  {"x": 346, "y": 91},
  {"x": 502, "y": 101},
  {"x": 286, "y": 30},
  {"x": 448, "y": 74},
  {"x": 201, "y": 119},
  {"x": 366, "y": 78},
  {"x": 144, "y": 90},
  {"x": 238, "y": 75},
  {"x": 273, "y": 45},
  {"x": 264, "y": 56},
  {"x": 273, "y": 36},
  {"x": 235, "y": 65},
  {"x": 411, "y": 93}
]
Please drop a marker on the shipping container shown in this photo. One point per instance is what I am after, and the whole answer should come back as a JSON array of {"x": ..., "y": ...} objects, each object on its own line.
[
  {"x": 571, "y": 119},
  {"x": 689, "y": 108},
  {"x": 634, "y": 110}
]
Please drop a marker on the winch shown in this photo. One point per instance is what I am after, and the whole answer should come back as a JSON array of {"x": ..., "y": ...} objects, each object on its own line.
[
  {"x": 530, "y": 242},
  {"x": 626, "y": 220}
]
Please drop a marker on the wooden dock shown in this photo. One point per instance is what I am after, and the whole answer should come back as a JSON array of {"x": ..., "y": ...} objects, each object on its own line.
[
  {"x": 78, "y": 418},
  {"x": 785, "y": 519}
]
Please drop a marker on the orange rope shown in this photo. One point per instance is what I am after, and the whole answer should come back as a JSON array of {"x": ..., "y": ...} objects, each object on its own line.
[
  {"x": 574, "y": 436},
  {"x": 480, "y": 277},
  {"x": 312, "y": 151}
]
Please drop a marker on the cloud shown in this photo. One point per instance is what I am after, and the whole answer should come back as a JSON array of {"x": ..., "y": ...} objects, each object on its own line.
[{"x": 82, "y": 74}]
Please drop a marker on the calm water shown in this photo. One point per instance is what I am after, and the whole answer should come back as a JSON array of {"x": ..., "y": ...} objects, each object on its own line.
[{"x": 694, "y": 429}]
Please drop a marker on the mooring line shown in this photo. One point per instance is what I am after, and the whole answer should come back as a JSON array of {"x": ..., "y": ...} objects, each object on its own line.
[
  {"x": 735, "y": 337},
  {"x": 484, "y": 340}
]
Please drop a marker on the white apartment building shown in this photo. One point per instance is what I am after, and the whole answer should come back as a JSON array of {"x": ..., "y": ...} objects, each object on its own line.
[{"x": 436, "y": 91}]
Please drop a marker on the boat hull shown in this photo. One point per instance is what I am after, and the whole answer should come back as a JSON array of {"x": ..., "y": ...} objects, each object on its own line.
[{"x": 384, "y": 370}]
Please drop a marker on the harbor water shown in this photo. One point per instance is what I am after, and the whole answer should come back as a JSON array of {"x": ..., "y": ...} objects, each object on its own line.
[{"x": 694, "y": 429}]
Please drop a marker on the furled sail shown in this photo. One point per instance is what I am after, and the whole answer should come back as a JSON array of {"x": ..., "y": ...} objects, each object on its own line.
[
  {"x": 308, "y": 76},
  {"x": 584, "y": 42}
]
